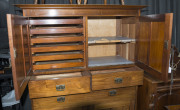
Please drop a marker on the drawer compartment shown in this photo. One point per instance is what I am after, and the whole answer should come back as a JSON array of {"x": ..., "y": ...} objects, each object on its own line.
[
  {"x": 121, "y": 98},
  {"x": 106, "y": 79},
  {"x": 57, "y": 44},
  {"x": 61, "y": 84}
]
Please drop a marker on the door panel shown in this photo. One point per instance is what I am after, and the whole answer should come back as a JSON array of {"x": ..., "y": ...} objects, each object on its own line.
[
  {"x": 143, "y": 42},
  {"x": 154, "y": 44},
  {"x": 17, "y": 32}
]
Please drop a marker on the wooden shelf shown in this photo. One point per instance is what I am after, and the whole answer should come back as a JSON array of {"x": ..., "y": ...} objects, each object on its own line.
[
  {"x": 98, "y": 40},
  {"x": 108, "y": 61}
]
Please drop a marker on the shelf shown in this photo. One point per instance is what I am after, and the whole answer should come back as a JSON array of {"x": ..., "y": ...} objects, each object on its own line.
[
  {"x": 108, "y": 61},
  {"x": 98, "y": 40}
]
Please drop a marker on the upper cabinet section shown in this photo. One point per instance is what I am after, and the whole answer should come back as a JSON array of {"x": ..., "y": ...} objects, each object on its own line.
[{"x": 79, "y": 10}]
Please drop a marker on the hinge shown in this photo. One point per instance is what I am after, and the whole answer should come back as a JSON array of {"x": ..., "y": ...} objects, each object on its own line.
[
  {"x": 15, "y": 54},
  {"x": 166, "y": 42}
]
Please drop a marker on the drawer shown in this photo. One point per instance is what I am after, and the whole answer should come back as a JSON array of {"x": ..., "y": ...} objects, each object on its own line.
[
  {"x": 106, "y": 79},
  {"x": 60, "y": 84},
  {"x": 105, "y": 99}
]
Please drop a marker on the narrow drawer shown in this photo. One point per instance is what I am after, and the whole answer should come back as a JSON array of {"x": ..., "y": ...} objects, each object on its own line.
[
  {"x": 61, "y": 84},
  {"x": 112, "y": 99},
  {"x": 106, "y": 79}
]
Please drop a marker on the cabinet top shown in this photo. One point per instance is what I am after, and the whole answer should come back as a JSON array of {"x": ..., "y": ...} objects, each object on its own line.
[
  {"x": 55, "y": 10},
  {"x": 74, "y": 6}
]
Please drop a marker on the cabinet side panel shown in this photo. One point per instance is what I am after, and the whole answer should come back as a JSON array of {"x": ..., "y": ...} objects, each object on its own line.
[{"x": 126, "y": 28}]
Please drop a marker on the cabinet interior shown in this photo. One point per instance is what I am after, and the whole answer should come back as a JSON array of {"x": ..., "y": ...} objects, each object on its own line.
[
  {"x": 72, "y": 43},
  {"x": 110, "y": 42}
]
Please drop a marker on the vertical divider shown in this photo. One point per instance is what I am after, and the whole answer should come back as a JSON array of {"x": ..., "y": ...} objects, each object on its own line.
[{"x": 85, "y": 32}]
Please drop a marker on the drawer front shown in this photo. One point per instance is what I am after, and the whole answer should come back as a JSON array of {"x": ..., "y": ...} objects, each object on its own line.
[
  {"x": 64, "y": 86},
  {"x": 116, "y": 78},
  {"x": 105, "y": 99}
]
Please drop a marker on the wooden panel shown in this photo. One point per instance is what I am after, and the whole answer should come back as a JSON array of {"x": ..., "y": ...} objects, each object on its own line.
[
  {"x": 132, "y": 34},
  {"x": 52, "y": 39},
  {"x": 58, "y": 71},
  {"x": 143, "y": 42},
  {"x": 55, "y": 21},
  {"x": 126, "y": 27},
  {"x": 56, "y": 48},
  {"x": 105, "y": 79},
  {"x": 125, "y": 47},
  {"x": 45, "y": 86},
  {"x": 99, "y": 99},
  {"x": 58, "y": 65},
  {"x": 145, "y": 98},
  {"x": 156, "y": 61},
  {"x": 56, "y": 30},
  {"x": 74, "y": 6},
  {"x": 56, "y": 57},
  {"x": 173, "y": 107},
  {"x": 26, "y": 49},
  {"x": 156, "y": 46},
  {"x": 101, "y": 50},
  {"x": 101, "y": 27},
  {"x": 78, "y": 12},
  {"x": 17, "y": 32}
]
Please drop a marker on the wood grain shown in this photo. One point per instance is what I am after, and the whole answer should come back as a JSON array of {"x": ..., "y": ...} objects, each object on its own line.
[
  {"x": 58, "y": 65},
  {"x": 156, "y": 46},
  {"x": 20, "y": 66},
  {"x": 56, "y": 48},
  {"x": 55, "y": 21},
  {"x": 106, "y": 80},
  {"x": 100, "y": 27},
  {"x": 57, "y": 57},
  {"x": 46, "y": 87},
  {"x": 52, "y": 39},
  {"x": 154, "y": 59},
  {"x": 56, "y": 30},
  {"x": 143, "y": 42},
  {"x": 100, "y": 99}
]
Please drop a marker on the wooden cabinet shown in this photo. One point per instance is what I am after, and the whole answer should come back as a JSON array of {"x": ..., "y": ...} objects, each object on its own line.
[
  {"x": 155, "y": 94},
  {"x": 75, "y": 55}
]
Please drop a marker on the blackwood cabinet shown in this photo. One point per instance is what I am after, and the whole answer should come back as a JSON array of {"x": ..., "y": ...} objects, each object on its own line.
[{"x": 79, "y": 55}]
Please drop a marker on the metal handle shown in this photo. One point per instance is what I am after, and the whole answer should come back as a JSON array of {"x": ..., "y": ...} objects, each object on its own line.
[
  {"x": 112, "y": 93},
  {"x": 61, "y": 99},
  {"x": 118, "y": 80},
  {"x": 60, "y": 87}
]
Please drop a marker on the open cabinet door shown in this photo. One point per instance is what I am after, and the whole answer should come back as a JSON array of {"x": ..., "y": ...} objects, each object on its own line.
[
  {"x": 153, "y": 34},
  {"x": 19, "y": 51}
]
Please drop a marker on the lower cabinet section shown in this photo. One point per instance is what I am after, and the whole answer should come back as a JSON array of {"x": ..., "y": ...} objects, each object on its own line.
[{"x": 112, "y": 99}]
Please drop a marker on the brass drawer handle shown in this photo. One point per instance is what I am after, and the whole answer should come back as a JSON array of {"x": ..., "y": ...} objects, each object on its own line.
[
  {"x": 112, "y": 93},
  {"x": 118, "y": 80},
  {"x": 60, "y": 87},
  {"x": 61, "y": 99}
]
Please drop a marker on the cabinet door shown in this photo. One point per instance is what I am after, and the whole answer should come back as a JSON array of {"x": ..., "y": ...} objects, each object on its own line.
[
  {"x": 153, "y": 34},
  {"x": 19, "y": 51}
]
